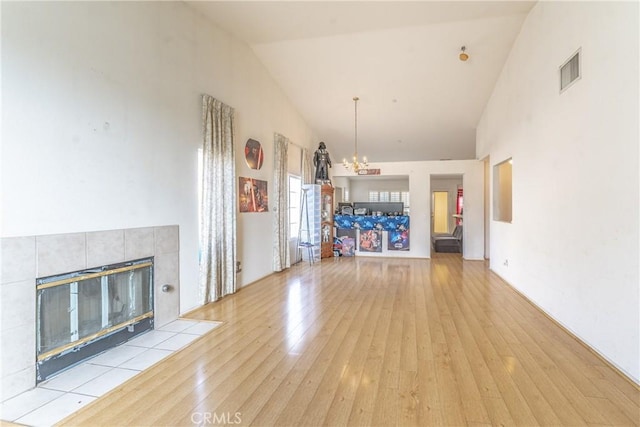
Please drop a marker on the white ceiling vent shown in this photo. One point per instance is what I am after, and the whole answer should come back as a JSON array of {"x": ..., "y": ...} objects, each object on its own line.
[{"x": 570, "y": 71}]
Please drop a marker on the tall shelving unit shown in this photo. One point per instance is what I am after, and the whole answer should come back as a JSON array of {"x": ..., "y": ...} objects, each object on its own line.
[
  {"x": 309, "y": 231},
  {"x": 326, "y": 218}
]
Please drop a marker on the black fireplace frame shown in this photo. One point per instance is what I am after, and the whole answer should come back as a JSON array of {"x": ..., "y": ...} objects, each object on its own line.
[{"x": 50, "y": 363}]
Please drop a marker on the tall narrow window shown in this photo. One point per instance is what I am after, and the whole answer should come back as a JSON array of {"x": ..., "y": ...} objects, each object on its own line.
[
  {"x": 405, "y": 200},
  {"x": 200, "y": 179},
  {"x": 295, "y": 184},
  {"x": 502, "y": 190}
]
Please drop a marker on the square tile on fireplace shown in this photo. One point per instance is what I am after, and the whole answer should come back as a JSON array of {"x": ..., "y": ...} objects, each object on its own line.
[
  {"x": 177, "y": 342},
  {"x": 26, "y": 402},
  {"x": 56, "y": 410},
  {"x": 17, "y": 382},
  {"x": 105, "y": 247},
  {"x": 60, "y": 253},
  {"x": 18, "y": 348},
  {"x": 74, "y": 377},
  {"x": 106, "y": 382},
  {"x": 167, "y": 239},
  {"x": 17, "y": 301},
  {"x": 116, "y": 356},
  {"x": 146, "y": 359},
  {"x": 178, "y": 325},
  {"x": 151, "y": 338},
  {"x": 17, "y": 259},
  {"x": 138, "y": 243},
  {"x": 202, "y": 328}
]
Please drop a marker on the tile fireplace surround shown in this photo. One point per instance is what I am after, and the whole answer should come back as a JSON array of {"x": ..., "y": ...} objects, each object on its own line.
[{"x": 23, "y": 259}]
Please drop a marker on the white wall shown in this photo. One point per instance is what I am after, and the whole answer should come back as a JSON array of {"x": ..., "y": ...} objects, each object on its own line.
[
  {"x": 419, "y": 174},
  {"x": 345, "y": 184},
  {"x": 102, "y": 122},
  {"x": 572, "y": 246}
]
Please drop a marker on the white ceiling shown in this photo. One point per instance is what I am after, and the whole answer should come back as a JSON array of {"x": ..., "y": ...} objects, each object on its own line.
[{"x": 418, "y": 101}]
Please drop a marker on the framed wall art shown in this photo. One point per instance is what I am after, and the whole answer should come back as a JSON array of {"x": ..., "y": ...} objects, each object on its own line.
[
  {"x": 252, "y": 195},
  {"x": 253, "y": 154}
]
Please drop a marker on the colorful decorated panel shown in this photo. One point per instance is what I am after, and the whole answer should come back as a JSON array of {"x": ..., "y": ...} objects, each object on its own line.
[{"x": 366, "y": 222}]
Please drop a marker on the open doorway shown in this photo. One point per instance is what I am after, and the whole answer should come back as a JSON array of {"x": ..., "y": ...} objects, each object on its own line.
[{"x": 447, "y": 213}]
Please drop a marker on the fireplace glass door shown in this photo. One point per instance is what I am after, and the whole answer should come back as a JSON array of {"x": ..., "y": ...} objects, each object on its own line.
[{"x": 78, "y": 308}]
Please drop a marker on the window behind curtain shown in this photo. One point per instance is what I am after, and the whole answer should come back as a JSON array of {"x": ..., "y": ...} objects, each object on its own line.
[
  {"x": 200, "y": 177},
  {"x": 295, "y": 185},
  {"x": 404, "y": 198}
]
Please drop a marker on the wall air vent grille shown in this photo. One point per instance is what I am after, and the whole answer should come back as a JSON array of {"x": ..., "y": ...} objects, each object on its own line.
[{"x": 570, "y": 71}]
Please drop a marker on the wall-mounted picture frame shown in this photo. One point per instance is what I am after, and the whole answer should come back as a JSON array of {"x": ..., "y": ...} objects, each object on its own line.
[
  {"x": 252, "y": 195},
  {"x": 253, "y": 154}
]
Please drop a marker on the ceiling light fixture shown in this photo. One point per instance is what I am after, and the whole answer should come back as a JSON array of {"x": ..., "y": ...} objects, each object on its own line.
[
  {"x": 356, "y": 165},
  {"x": 463, "y": 55}
]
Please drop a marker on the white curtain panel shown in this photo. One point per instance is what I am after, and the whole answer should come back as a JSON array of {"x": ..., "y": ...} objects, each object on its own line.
[
  {"x": 281, "y": 256},
  {"x": 308, "y": 175},
  {"x": 218, "y": 209}
]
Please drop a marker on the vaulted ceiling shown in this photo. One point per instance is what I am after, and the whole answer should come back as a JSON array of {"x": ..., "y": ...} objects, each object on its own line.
[{"x": 418, "y": 101}]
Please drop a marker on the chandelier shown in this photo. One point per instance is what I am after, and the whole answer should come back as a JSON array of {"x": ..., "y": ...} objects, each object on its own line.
[{"x": 356, "y": 165}]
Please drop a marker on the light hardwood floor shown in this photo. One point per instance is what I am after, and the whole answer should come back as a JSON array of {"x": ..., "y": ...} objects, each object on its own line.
[{"x": 373, "y": 341}]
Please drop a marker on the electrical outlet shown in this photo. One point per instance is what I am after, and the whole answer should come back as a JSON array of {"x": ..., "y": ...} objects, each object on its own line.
[
  {"x": 506, "y": 263},
  {"x": 238, "y": 266}
]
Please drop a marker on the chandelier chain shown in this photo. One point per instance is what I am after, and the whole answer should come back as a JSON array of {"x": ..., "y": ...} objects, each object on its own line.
[
  {"x": 356, "y": 165},
  {"x": 356, "y": 99}
]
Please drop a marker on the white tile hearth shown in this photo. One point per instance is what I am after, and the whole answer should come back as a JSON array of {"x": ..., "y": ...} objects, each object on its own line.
[
  {"x": 151, "y": 339},
  {"x": 28, "y": 402},
  {"x": 117, "y": 356},
  {"x": 175, "y": 342},
  {"x": 178, "y": 325},
  {"x": 106, "y": 382},
  {"x": 54, "y": 411},
  {"x": 59, "y": 397},
  {"x": 74, "y": 377},
  {"x": 146, "y": 359},
  {"x": 23, "y": 259},
  {"x": 200, "y": 328}
]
